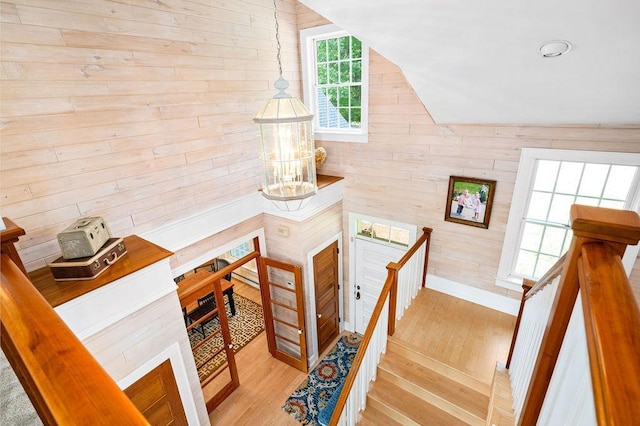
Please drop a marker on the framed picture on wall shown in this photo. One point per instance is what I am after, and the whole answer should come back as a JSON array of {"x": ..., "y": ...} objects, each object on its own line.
[{"x": 469, "y": 201}]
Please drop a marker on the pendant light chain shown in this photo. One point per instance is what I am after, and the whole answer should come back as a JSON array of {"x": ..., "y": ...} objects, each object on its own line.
[
  {"x": 275, "y": 15},
  {"x": 286, "y": 147}
]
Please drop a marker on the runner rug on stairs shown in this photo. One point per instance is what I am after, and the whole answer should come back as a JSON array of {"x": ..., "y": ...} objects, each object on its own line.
[{"x": 313, "y": 394}]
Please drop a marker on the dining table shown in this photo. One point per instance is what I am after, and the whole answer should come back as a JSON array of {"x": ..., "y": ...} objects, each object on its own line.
[{"x": 198, "y": 285}]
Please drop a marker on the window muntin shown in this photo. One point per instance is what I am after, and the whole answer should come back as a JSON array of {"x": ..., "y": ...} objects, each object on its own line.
[
  {"x": 557, "y": 185},
  {"x": 548, "y": 183},
  {"x": 240, "y": 251},
  {"x": 338, "y": 82},
  {"x": 335, "y": 74},
  {"x": 383, "y": 233}
]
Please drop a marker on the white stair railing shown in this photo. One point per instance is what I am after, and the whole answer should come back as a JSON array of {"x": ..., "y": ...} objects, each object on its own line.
[
  {"x": 353, "y": 396},
  {"x": 367, "y": 372},
  {"x": 410, "y": 281},
  {"x": 586, "y": 360},
  {"x": 532, "y": 326},
  {"x": 569, "y": 399}
]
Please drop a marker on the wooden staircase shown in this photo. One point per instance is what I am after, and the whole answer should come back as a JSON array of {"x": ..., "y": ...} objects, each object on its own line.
[{"x": 413, "y": 389}]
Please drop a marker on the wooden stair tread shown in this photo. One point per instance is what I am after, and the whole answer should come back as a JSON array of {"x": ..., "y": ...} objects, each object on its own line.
[
  {"x": 501, "y": 405},
  {"x": 418, "y": 379},
  {"x": 371, "y": 416},
  {"x": 404, "y": 349},
  {"x": 406, "y": 408}
]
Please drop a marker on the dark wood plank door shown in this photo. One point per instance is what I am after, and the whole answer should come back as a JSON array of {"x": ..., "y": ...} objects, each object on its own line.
[
  {"x": 325, "y": 278},
  {"x": 157, "y": 397},
  {"x": 283, "y": 305}
]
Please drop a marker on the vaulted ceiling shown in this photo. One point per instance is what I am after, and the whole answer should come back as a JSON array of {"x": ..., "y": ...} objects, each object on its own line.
[{"x": 478, "y": 61}]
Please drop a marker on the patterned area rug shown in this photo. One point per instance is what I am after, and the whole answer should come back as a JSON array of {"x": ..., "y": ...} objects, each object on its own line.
[
  {"x": 247, "y": 324},
  {"x": 306, "y": 402}
]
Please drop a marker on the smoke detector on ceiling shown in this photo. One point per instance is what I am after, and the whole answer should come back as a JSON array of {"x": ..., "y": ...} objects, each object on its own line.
[{"x": 554, "y": 48}]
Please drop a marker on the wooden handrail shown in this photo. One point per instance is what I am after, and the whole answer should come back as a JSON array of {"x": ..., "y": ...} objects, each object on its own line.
[
  {"x": 526, "y": 286},
  {"x": 616, "y": 229},
  {"x": 529, "y": 289},
  {"x": 612, "y": 323},
  {"x": 360, "y": 354},
  {"x": 426, "y": 233},
  {"x": 390, "y": 285},
  {"x": 393, "y": 296},
  {"x": 63, "y": 380},
  {"x": 9, "y": 236},
  {"x": 546, "y": 279}
]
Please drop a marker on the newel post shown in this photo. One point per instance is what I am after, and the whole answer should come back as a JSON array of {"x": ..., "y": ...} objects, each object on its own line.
[
  {"x": 617, "y": 229},
  {"x": 427, "y": 235},
  {"x": 526, "y": 286},
  {"x": 392, "y": 267}
]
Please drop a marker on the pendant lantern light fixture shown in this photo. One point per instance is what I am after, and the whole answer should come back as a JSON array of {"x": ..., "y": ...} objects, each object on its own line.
[{"x": 286, "y": 147}]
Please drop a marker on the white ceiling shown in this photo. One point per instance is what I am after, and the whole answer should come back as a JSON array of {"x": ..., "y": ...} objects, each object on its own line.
[{"x": 478, "y": 61}]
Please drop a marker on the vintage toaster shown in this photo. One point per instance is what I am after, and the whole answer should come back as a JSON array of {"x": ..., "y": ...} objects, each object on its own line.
[{"x": 83, "y": 238}]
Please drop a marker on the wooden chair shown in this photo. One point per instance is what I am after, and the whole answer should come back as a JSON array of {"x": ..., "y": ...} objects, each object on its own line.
[
  {"x": 215, "y": 265},
  {"x": 206, "y": 305}
]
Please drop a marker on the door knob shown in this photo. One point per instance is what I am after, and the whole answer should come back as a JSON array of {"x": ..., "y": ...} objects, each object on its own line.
[
  {"x": 357, "y": 295},
  {"x": 319, "y": 316}
]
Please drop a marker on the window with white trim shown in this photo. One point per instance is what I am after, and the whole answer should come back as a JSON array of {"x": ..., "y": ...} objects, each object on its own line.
[
  {"x": 548, "y": 183},
  {"x": 335, "y": 73},
  {"x": 382, "y": 232},
  {"x": 241, "y": 251}
]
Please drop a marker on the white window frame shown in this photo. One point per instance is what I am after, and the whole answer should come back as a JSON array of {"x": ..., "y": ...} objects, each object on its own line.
[
  {"x": 308, "y": 38},
  {"x": 522, "y": 192}
]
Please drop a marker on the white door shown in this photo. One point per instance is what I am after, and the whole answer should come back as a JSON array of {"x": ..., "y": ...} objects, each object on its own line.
[{"x": 371, "y": 272}]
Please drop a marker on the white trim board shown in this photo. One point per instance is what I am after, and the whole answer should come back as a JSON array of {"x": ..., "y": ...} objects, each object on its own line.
[
  {"x": 191, "y": 229},
  {"x": 217, "y": 251},
  {"x": 121, "y": 298},
  {"x": 173, "y": 354},
  {"x": 475, "y": 295}
]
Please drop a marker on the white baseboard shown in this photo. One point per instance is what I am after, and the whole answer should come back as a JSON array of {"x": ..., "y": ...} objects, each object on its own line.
[{"x": 475, "y": 295}]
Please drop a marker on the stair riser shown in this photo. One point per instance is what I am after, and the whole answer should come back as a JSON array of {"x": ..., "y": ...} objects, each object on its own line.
[
  {"x": 432, "y": 399},
  {"x": 440, "y": 368},
  {"x": 390, "y": 411}
]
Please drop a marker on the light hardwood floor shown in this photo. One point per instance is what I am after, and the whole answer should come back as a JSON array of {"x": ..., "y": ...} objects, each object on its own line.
[
  {"x": 462, "y": 334},
  {"x": 265, "y": 383}
]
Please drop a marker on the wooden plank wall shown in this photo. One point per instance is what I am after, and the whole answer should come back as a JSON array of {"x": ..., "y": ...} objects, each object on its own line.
[
  {"x": 140, "y": 112},
  {"x": 134, "y": 110},
  {"x": 130, "y": 343},
  {"x": 403, "y": 172},
  {"x": 207, "y": 245},
  {"x": 302, "y": 239}
]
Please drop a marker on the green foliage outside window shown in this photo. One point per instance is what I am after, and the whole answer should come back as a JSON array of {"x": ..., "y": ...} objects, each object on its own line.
[{"x": 339, "y": 78}]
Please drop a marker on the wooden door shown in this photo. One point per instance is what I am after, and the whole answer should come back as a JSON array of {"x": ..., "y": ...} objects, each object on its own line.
[
  {"x": 157, "y": 397},
  {"x": 325, "y": 279},
  {"x": 371, "y": 272},
  {"x": 283, "y": 305},
  {"x": 196, "y": 287}
]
